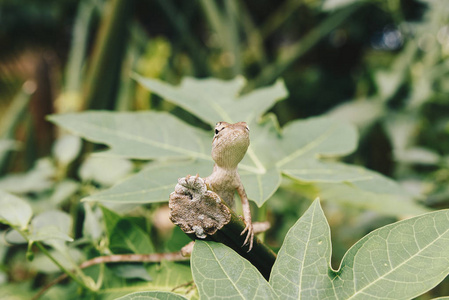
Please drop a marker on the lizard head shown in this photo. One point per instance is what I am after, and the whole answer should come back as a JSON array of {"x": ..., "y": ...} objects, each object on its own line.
[{"x": 230, "y": 144}]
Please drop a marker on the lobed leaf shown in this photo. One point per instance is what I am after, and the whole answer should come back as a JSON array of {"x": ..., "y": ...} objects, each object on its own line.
[
  {"x": 301, "y": 270},
  {"x": 139, "y": 135},
  {"x": 398, "y": 261},
  {"x": 214, "y": 100},
  {"x": 220, "y": 272},
  {"x": 304, "y": 150},
  {"x": 153, "y": 184}
]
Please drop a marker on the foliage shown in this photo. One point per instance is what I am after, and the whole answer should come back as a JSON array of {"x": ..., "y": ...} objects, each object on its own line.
[
  {"x": 399, "y": 261},
  {"x": 358, "y": 120},
  {"x": 306, "y": 157}
]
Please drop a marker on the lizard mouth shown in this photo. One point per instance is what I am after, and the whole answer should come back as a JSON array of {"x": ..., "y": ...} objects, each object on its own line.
[{"x": 230, "y": 149}]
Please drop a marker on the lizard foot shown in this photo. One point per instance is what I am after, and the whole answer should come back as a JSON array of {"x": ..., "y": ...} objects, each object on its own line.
[
  {"x": 249, "y": 235},
  {"x": 193, "y": 186}
]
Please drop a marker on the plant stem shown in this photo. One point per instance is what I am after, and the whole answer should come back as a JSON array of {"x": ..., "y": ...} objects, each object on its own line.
[
  {"x": 67, "y": 272},
  {"x": 116, "y": 258},
  {"x": 261, "y": 256}
]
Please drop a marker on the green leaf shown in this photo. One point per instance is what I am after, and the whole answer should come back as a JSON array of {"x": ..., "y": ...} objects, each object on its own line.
[
  {"x": 153, "y": 184},
  {"x": 127, "y": 237},
  {"x": 165, "y": 277},
  {"x": 220, "y": 272},
  {"x": 337, "y": 4},
  {"x": 92, "y": 228},
  {"x": 104, "y": 170},
  {"x": 63, "y": 190},
  {"x": 68, "y": 260},
  {"x": 385, "y": 201},
  {"x": 139, "y": 135},
  {"x": 152, "y": 296},
  {"x": 52, "y": 227},
  {"x": 214, "y": 100},
  {"x": 130, "y": 270},
  {"x": 8, "y": 145},
  {"x": 304, "y": 150},
  {"x": 14, "y": 211},
  {"x": 66, "y": 148},
  {"x": 302, "y": 266},
  {"x": 110, "y": 219},
  {"x": 398, "y": 261},
  {"x": 48, "y": 234},
  {"x": 34, "y": 181}
]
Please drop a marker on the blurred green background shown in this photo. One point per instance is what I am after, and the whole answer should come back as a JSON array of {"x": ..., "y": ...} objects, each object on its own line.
[{"x": 382, "y": 65}]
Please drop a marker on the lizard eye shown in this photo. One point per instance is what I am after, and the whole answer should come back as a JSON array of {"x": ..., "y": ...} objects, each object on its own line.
[{"x": 219, "y": 128}]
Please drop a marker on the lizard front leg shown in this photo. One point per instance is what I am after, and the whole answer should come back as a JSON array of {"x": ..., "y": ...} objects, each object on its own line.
[{"x": 247, "y": 217}]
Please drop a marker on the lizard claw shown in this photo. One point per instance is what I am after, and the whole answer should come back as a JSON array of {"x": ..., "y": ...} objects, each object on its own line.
[{"x": 249, "y": 235}]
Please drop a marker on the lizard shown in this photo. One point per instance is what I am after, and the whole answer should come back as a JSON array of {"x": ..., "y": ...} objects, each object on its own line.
[{"x": 229, "y": 146}]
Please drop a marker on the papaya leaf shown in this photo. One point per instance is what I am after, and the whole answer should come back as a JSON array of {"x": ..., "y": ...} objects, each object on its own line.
[
  {"x": 304, "y": 150},
  {"x": 304, "y": 259},
  {"x": 154, "y": 183},
  {"x": 218, "y": 271},
  {"x": 398, "y": 261},
  {"x": 139, "y": 135},
  {"x": 214, "y": 100}
]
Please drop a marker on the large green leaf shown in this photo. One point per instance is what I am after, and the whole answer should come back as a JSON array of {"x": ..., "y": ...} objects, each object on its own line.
[
  {"x": 214, "y": 100},
  {"x": 14, "y": 211},
  {"x": 141, "y": 135},
  {"x": 398, "y": 261},
  {"x": 302, "y": 266},
  {"x": 304, "y": 150},
  {"x": 385, "y": 201},
  {"x": 220, "y": 272},
  {"x": 154, "y": 183}
]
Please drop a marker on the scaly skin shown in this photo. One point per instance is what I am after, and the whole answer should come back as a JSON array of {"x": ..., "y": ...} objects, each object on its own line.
[
  {"x": 195, "y": 205},
  {"x": 229, "y": 146}
]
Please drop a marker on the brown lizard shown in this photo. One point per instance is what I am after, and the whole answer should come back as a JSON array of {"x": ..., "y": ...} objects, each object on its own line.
[{"x": 229, "y": 146}]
